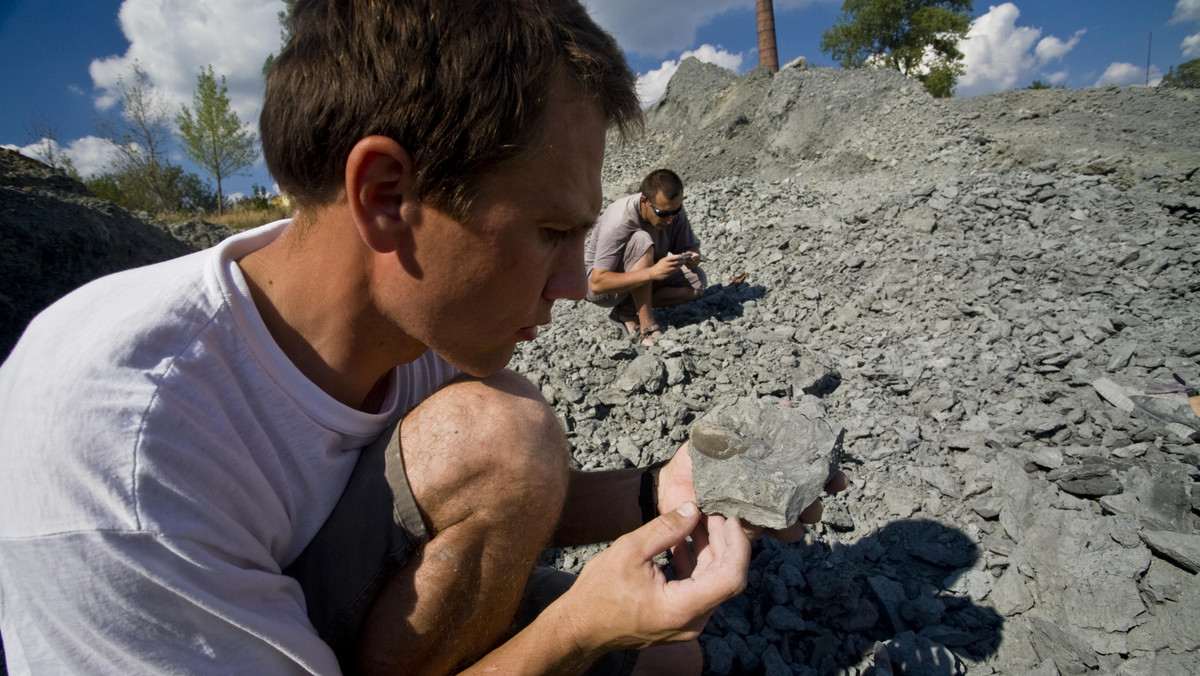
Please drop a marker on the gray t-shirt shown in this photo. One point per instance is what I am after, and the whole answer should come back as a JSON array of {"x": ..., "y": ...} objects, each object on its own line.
[{"x": 606, "y": 244}]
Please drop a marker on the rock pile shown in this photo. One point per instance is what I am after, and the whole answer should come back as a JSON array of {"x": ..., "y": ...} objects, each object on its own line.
[
  {"x": 56, "y": 236},
  {"x": 980, "y": 291},
  {"x": 967, "y": 286}
]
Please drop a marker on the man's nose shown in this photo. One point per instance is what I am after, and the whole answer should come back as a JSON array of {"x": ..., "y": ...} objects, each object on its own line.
[{"x": 569, "y": 279}]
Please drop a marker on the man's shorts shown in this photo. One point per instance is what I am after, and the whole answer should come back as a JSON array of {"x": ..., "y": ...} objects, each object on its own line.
[
  {"x": 372, "y": 532},
  {"x": 639, "y": 243}
]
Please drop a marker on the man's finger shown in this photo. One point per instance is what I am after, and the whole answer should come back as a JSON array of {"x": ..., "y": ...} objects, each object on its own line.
[
  {"x": 837, "y": 483},
  {"x": 813, "y": 512},
  {"x": 664, "y": 532}
]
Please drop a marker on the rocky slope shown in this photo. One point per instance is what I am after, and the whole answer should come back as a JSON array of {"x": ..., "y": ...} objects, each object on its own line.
[
  {"x": 980, "y": 291},
  {"x": 55, "y": 236}
]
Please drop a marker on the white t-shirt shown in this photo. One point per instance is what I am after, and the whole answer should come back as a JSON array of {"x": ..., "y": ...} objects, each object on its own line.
[{"x": 161, "y": 461}]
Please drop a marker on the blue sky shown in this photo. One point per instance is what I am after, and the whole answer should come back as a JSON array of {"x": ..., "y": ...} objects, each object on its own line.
[{"x": 60, "y": 59}]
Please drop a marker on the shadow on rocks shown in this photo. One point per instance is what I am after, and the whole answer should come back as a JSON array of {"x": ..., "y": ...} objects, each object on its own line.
[
  {"x": 879, "y": 606},
  {"x": 723, "y": 303}
]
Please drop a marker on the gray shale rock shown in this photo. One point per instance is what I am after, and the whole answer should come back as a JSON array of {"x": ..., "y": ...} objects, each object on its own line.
[{"x": 762, "y": 462}]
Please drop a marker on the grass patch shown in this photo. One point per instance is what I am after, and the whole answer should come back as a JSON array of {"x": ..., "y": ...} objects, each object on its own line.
[{"x": 240, "y": 218}]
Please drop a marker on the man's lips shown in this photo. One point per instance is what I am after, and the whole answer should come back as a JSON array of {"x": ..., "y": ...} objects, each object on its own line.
[{"x": 531, "y": 332}]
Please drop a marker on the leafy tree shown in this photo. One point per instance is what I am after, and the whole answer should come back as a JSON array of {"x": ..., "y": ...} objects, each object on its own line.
[
  {"x": 285, "y": 32},
  {"x": 1038, "y": 84},
  {"x": 1186, "y": 74},
  {"x": 141, "y": 133},
  {"x": 184, "y": 191},
  {"x": 212, "y": 134},
  {"x": 916, "y": 37}
]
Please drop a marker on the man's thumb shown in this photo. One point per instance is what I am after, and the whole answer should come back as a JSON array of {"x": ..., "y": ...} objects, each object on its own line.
[{"x": 666, "y": 531}]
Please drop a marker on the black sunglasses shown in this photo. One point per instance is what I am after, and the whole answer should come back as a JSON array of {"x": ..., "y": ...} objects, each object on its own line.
[{"x": 662, "y": 213}]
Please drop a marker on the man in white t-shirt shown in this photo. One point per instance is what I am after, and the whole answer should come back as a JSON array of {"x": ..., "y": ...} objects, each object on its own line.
[{"x": 202, "y": 468}]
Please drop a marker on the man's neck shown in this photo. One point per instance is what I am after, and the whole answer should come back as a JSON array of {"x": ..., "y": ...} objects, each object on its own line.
[{"x": 311, "y": 287}]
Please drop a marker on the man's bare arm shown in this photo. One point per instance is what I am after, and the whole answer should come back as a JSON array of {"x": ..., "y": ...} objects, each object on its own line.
[
  {"x": 608, "y": 281},
  {"x": 623, "y": 600}
]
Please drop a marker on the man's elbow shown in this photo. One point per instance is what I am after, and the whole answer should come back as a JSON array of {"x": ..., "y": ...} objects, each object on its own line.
[{"x": 596, "y": 281}]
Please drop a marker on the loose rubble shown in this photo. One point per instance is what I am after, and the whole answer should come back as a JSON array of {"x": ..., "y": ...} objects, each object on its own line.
[
  {"x": 988, "y": 294},
  {"x": 980, "y": 291}
]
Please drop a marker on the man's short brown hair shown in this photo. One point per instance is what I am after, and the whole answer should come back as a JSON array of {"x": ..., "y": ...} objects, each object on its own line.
[
  {"x": 460, "y": 84},
  {"x": 662, "y": 181}
]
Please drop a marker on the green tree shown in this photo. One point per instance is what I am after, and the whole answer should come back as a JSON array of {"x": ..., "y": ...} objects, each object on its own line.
[
  {"x": 1186, "y": 74},
  {"x": 285, "y": 32},
  {"x": 212, "y": 134},
  {"x": 141, "y": 132},
  {"x": 1038, "y": 84},
  {"x": 916, "y": 37},
  {"x": 184, "y": 191}
]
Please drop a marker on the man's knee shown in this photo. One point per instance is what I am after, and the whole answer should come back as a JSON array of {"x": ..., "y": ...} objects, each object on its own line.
[{"x": 490, "y": 448}]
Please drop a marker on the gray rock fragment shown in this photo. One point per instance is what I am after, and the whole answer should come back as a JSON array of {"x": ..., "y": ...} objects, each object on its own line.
[
  {"x": 1071, "y": 654},
  {"x": 1179, "y": 548},
  {"x": 1113, "y": 394},
  {"x": 891, "y": 595},
  {"x": 762, "y": 462},
  {"x": 644, "y": 373}
]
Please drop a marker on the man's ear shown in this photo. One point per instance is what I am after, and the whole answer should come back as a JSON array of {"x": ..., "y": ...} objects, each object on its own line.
[{"x": 379, "y": 190}]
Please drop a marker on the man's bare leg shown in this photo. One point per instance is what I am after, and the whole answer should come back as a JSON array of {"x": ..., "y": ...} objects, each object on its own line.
[
  {"x": 642, "y": 296},
  {"x": 487, "y": 462}
]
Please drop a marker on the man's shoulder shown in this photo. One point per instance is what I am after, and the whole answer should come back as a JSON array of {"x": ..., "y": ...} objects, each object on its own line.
[
  {"x": 622, "y": 213},
  {"x": 124, "y": 309}
]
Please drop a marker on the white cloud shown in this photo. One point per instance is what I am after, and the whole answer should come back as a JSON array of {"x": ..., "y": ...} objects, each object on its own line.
[
  {"x": 1186, "y": 10},
  {"x": 1057, "y": 78},
  {"x": 1125, "y": 74},
  {"x": 1052, "y": 48},
  {"x": 998, "y": 54},
  {"x": 89, "y": 155},
  {"x": 1191, "y": 46},
  {"x": 171, "y": 40},
  {"x": 667, "y": 26},
  {"x": 651, "y": 86}
]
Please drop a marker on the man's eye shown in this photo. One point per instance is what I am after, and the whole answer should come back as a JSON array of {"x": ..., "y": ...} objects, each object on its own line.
[{"x": 556, "y": 235}]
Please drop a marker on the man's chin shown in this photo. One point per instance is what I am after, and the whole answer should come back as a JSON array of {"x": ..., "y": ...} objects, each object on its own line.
[{"x": 482, "y": 366}]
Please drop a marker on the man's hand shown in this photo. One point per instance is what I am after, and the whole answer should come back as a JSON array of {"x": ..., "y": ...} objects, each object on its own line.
[
  {"x": 666, "y": 266},
  {"x": 692, "y": 259},
  {"x": 623, "y": 600},
  {"x": 675, "y": 488}
]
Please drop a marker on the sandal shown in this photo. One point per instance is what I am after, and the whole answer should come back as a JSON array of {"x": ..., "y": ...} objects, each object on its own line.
[{"x": 650, "y": 335}]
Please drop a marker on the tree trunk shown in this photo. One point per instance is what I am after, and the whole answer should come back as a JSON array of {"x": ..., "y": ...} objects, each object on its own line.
[{"x": 768, "y": 57}]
